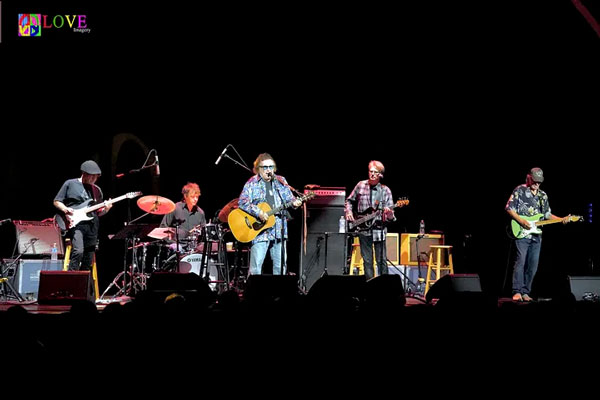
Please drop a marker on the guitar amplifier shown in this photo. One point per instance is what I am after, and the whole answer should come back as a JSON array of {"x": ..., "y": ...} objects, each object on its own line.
[
  {"x": 35, "y": 238},
  {"x": 328, "y": 197},
  {"x": 411, "y": 242}
]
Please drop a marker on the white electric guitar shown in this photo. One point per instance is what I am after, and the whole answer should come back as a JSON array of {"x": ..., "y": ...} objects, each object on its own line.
[{"x": 81, "y": 211}]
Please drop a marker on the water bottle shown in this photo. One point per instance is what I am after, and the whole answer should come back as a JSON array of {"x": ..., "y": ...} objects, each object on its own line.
[
  {"x": 422, "y": 227},
  {"x": 342, "y": 225},
  {"x": 54, "y": 252}
]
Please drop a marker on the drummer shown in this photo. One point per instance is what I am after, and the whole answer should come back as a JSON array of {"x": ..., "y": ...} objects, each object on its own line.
[{"x": 187, "y": 215}]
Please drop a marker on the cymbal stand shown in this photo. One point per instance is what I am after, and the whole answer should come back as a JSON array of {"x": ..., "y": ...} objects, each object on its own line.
[{"x": 131, "y": 280}]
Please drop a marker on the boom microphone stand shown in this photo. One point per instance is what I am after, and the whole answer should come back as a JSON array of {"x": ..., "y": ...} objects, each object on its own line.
[
  {"x": 5, "y": 281},
  {"x": 6, "y": 288}
]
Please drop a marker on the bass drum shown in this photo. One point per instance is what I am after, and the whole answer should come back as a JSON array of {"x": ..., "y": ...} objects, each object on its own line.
[{"x": 192, "y": 263}]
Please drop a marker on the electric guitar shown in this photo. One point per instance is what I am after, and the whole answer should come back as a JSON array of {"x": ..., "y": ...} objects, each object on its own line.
[
  {"x": 535, "y": 222},
  {"x": 246, "y": 227},
  {"x": 364, "y": 220},
  {"x": 81, "y": 211}
]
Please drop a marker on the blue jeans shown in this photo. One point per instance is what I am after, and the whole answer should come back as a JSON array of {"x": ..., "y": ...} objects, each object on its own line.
[
  {"x": 527, "y": 256},
  {"x": 258, "y": 252}
]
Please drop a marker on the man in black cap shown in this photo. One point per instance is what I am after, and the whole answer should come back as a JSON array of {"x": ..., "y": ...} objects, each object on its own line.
[
  {"x": 527, "y": 204},
  {"x": 76, "y": 194}
]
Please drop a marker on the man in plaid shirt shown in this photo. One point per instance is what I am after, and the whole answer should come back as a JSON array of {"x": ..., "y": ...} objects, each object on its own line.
[{"x": 367, "y": 196}]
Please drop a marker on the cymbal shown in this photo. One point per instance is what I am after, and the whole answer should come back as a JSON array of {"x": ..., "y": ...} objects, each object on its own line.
[
  {"x": 229, "y": 207},
  {"x": 162, "y": 233},
  {"x": 155, "y": 204}
]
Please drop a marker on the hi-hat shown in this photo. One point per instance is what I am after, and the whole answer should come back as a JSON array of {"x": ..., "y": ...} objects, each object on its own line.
[
  {"x": 229, "y": 207},
  {"x": 155, "y": 204}
]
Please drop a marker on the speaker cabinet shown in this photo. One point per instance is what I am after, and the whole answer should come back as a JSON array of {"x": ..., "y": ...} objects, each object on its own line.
[
  {"x": 266, "y": 289},
  {"x": 332, "y": 287},
  {"x": 65, "y": 287},
  {"x": 451, "y": 284},
  {"x": 26, "y": 275},
  {"x": 584, "y": 286},
  {"x": 410, "y": 243},
  {"x": 321, "y": 246},
  {"x": 391, "y": 247},
  {"x": 35, "y": 238},
  {"x": 385, "y": 290}
]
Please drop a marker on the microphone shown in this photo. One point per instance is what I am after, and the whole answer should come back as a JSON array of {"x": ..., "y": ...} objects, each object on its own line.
[
  {"x": 157, "y": 170},
  {"x": 5, "y": 221},
  {"x": 221, "y": 156}
]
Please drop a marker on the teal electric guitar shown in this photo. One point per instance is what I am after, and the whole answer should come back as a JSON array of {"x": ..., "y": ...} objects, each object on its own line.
[{"x": 535, "y": 222}]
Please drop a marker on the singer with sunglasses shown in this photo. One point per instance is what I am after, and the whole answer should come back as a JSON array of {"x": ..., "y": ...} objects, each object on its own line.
[{"x": 267, "y": 187}]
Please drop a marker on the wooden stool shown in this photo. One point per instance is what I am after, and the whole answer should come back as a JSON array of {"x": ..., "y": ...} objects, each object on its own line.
[
  {"x": 94, "y": 270},
  {"x": 438, "y": 266},
  {"x": 356, "y": 261}
]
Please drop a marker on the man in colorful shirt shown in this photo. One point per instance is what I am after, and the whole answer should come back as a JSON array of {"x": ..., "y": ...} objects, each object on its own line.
[
  {"x": 528, "y": 200},
  {"x": 266, "y": 187}
]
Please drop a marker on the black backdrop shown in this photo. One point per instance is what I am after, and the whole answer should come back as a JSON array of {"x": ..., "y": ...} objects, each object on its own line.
[{"x": 458, "y": 102}]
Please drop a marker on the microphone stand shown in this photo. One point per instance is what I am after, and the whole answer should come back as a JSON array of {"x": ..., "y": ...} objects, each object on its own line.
[
  {"x": 283, "y": 219},
  {"x": 135, "y": 171},
  {"x": 419, "y": 237},
  {"x": 238, "y": 163}
]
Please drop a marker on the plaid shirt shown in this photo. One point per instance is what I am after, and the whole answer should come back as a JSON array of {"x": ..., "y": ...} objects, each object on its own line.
[
  {"x": 361, "y": 197},
  {"x": 255, "y": 192}
]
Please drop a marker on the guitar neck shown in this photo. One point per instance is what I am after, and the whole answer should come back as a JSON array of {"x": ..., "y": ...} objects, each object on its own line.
[
  {"x": 371, "y": 215},
  {"x": 284, "y": 206},
  {"x": 548, "y": 221},
  {"x": 104, "y": 203}
]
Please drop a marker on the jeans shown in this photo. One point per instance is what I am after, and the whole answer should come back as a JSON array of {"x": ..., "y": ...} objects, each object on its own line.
[
  {"x": 258, "y": 252},
  {"x": 366, "y": 251},
  {"x": 527, "y": 256}
]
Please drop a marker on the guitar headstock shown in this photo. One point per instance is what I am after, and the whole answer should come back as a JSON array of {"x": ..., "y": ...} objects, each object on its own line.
[
  {"x": 308, "y": 196},
  {"x": 574, "y": 218},
  {"x": 403, "y": 201},
  {"x": 132, "y": 195}
]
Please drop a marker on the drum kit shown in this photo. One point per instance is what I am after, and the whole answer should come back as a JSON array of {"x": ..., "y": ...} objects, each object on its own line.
[{"x": 201, "y": 251}]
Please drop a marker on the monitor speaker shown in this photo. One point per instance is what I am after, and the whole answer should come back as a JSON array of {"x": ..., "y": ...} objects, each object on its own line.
[
  {"x": 451, "y": 284},
  {"x": 584, "y": 287},
  {"x": 331, "y": 287},
  {"x": 189, "y": 285},
  {"x": 266, "y": 289},
  {"x": 65, "y": 287}
]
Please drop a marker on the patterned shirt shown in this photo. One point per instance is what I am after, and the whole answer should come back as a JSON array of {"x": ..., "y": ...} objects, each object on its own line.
[
  {"x": 365, "y": 197},
  {"x": 255, "y": 192},
  {"x": 526, "y": 204}
]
